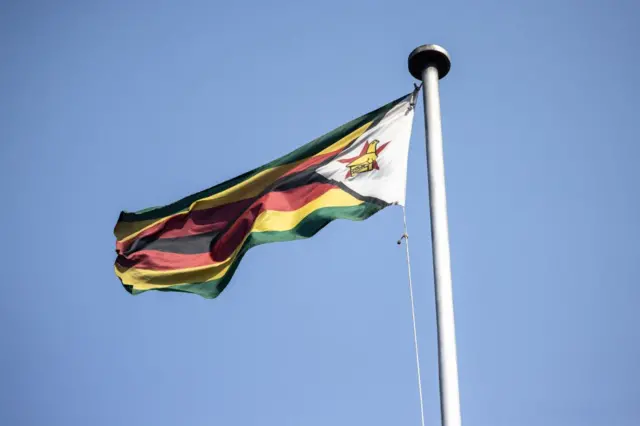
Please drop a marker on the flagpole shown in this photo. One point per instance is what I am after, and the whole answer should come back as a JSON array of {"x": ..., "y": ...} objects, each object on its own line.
[{"x": 430, "y": 63}]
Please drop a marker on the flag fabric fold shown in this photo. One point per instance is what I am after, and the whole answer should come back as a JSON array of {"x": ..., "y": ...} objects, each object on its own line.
[{"x": 195, "y": 244}]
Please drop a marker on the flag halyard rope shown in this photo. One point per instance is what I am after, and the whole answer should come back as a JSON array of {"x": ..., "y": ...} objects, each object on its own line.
[{"x": 405, "y": 237}]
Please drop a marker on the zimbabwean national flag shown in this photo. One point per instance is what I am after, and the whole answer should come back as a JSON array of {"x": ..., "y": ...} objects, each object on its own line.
[{"x": 195, "y": 244}]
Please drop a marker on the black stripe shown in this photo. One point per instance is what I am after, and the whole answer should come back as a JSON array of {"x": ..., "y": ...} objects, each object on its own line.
[{"x": 190, "y": 244}]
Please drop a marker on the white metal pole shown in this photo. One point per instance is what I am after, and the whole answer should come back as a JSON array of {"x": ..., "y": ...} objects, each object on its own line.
[{"x": 432, "y": 63}]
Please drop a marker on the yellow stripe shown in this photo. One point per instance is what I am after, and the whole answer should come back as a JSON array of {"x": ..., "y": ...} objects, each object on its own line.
[
  {"x": 269, "y": 220},
  {"x": 246, "y": 189}
]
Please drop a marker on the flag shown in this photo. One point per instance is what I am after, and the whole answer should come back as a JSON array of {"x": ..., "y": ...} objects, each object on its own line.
[{"x": 195, "y": 244}]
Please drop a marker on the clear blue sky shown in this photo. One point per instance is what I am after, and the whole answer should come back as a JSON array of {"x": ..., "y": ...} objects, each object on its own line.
[{"x": 118, "y": 105}]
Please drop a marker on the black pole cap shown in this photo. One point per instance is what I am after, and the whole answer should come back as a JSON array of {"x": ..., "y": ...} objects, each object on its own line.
[{"x": 429, "y": 55}]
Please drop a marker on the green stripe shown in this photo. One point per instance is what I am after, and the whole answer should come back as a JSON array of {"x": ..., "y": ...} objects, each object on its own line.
[
  {"x": 305, "y": 151},
  {"x": 308, "y": 227}
]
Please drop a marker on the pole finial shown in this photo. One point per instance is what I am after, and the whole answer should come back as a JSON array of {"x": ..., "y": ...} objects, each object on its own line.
[{"x": 429, "y": 55}]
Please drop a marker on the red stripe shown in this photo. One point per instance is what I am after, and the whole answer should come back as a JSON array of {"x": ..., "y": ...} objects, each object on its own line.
[
  {"x": 290, "y": 200},
  {"x": 191, "y": 223},
  {"x": 313, "y": 161},
  {"x": 281, "y": 201},
  {"x": 163, "y": 261}
]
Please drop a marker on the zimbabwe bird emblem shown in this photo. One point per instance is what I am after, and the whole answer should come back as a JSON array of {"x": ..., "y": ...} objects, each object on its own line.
[{"x": 366, "y": 161}]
